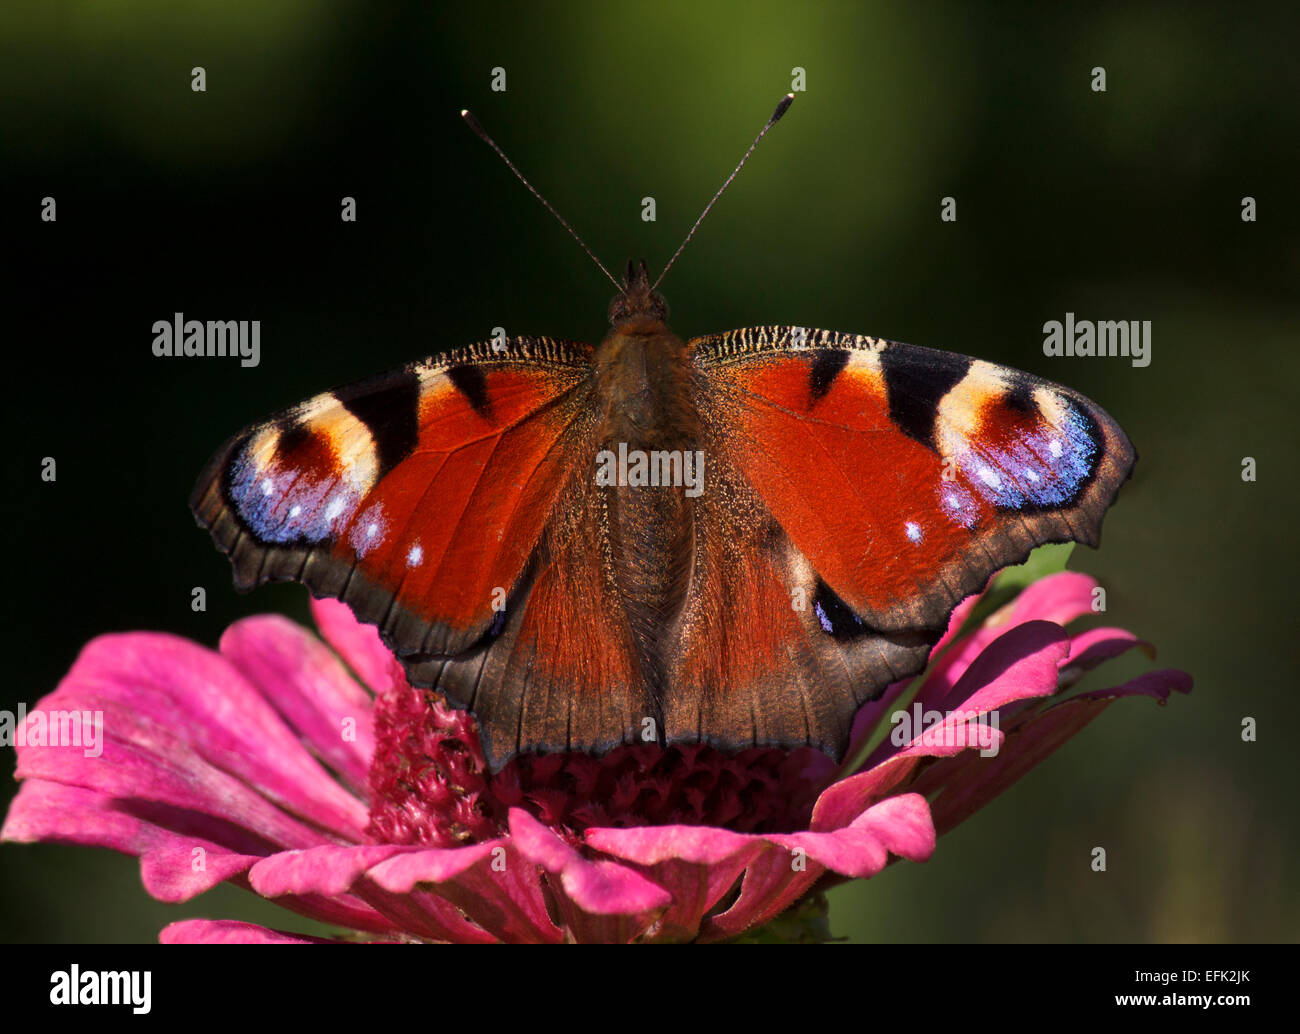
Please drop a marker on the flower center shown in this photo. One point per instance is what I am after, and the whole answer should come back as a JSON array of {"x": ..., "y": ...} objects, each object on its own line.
[{"x": 429, "y": 783}]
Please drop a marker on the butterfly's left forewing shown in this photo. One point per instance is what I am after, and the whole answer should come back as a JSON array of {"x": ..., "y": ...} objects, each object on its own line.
[
  {"x": 906, "y": 476},
  {"x": 415, "y": 497}
]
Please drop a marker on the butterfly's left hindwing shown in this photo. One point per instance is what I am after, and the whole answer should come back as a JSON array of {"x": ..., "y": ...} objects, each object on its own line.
[{"x": 906, "y": 476}]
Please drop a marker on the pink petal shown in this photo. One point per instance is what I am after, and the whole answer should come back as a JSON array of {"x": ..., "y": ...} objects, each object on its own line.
[
  {"x": 1019, "y": 664},
  {"x": 227, "y": 931},
  {"x": 359, "y": 645},
  {"x": 170, "y": 703},
  {"x": 650, "y": 845},
  {"x": 304, "y": 681},
  {"x": 903, "y": 824},
  {"x": 590, "y": 890},
  {"x": 434, "y": 865},
  {"x": 1093, "y": 647},
  {"x": 1058, "y": 598},
  {"x": 771, "y": 885},
  {"x": 163, "y": 777},
  {"x": 491, "y": 882},
  {"x": 45, "y": 811},
  {"x": 1156, "y": 684},
  {"x": 174, "y": 866},
  {"x": 327, "y": 870},
  {"x": 346, "y": 911},
  {"x": 599, "y": 887},
  {"x": 869, "y": 715},
  {"x": 332, "y": 870},
  {"x": 969, "y": 782},
  {"x": 696, "y": 864},
  {"x": 842, "y": 802},
  {"x": 898, "y": 825}
]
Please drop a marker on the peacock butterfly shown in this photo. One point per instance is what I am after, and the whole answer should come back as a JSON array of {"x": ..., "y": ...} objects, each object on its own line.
[{"x": 736, "y": 540}]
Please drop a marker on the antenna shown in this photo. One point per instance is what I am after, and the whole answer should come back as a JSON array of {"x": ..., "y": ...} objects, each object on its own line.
[
  {"x": 473, "y": 124},
  {"x": 781, "y": 109}
]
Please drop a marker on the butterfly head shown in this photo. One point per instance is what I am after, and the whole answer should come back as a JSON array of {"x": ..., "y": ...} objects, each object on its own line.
[{"x": 639, "y": 301}]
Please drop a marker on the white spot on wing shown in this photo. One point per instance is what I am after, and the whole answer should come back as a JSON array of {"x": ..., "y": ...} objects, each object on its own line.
[
  {"x": 369, "y": 531},
  {"x": 415, "y": 556},
  {"x": 913, "y": 531},
  {"x": 960, "y": 506}
]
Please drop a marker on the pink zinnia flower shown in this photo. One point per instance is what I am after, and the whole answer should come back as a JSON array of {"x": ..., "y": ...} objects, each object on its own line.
[{"x": 268, "y": 764}]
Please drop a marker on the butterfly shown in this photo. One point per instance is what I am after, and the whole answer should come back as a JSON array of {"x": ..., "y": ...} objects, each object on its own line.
[{"x": 736, "y": 540}]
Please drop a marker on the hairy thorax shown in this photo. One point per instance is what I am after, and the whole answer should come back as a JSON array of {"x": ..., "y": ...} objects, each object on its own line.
[{"x": 648, "y": 421}]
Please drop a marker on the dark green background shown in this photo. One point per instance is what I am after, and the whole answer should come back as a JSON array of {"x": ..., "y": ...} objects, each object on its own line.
[{"x": 1122, "y": 205}]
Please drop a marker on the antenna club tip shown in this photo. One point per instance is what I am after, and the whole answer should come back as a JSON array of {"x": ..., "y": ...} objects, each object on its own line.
[
  {"x": 781, "y": 108},
  {"x": 473, "y": 124}
]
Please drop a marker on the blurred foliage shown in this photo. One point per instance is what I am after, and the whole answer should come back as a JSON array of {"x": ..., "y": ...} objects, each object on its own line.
[
  {"x": 807, "y": 921},
  {"x": 1119, "y": 205}
]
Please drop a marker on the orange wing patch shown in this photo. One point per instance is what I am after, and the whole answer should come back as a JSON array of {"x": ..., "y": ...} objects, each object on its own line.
[{"x": 561, "y": 673}]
